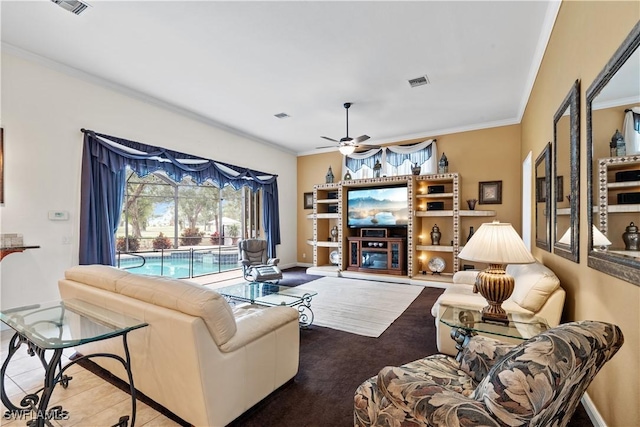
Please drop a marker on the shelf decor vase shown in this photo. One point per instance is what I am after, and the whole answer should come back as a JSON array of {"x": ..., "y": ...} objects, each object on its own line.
[
  {"x": 334, "y": 233},
  {"x": 631, "y": 238},
  {"x": 435, "y": 235},
  {"x": 472, "y": 203},
  {"x": 415, "y": 169}
]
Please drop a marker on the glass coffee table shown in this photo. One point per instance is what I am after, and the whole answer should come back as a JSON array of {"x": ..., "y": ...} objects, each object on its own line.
[
  {"x": 55, "y": 327},
  {"x": 268, "y": 294},
  {"x": 467, "y": 322}
]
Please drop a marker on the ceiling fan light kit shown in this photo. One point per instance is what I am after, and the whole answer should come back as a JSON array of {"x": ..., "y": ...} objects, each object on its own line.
[{"x": 348, "y": 145}]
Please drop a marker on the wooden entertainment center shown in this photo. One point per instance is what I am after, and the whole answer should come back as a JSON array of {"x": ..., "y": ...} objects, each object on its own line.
[{"x": 374, "y": 252}]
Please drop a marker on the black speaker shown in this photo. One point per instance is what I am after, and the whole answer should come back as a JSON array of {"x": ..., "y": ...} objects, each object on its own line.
[
  {"x": 332, "y": 209},
  {"x": 332, "y": 195},
  {"x": 435, "y": 206},
  {"x": 435, "y": 189},
  {"x": 625, "y": 176},
  {"x": 628, "y": 198}
]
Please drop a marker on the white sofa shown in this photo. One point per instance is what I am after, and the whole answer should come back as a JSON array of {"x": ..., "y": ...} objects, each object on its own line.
[
  {"x": 199, "y": 358},
  {"x": 536, "y": 291}
]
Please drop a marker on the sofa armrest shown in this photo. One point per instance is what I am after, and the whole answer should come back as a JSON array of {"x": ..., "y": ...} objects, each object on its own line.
[
  {"x": 430, "y": 402},
  {"x": 466, "y": 277},
  {"x": 258, "y": 323},
  {"x": 273, "y": 261},
  {"x": 480, "y": 354}
]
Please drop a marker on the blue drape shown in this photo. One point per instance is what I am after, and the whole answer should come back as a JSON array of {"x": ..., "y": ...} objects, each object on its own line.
[
  {"x": 102, "y": 192},
  {"x": 103, "y": 182}
]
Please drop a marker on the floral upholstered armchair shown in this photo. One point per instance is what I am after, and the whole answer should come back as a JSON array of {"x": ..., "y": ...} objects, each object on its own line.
[{"x": 539, "y": 382}]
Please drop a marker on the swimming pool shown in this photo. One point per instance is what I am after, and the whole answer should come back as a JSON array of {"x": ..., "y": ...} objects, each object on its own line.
[{"x": 177, "y": 265}]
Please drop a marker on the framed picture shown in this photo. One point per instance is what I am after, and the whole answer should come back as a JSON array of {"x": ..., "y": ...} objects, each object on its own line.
[
  {"x": 308, "y": 200},
  {"x": 490, "y": 193},
  {"x": 541, "y": 190}
]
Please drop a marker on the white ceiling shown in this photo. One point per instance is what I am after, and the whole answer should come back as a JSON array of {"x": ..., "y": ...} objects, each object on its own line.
[{"x": 237, "y": 64}]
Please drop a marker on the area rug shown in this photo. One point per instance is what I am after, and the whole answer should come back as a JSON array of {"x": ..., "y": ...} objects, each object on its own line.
[{"x": 362, "y": 307}]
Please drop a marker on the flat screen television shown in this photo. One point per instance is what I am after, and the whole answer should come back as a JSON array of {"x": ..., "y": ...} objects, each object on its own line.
[{"x": 384, "y": 207}]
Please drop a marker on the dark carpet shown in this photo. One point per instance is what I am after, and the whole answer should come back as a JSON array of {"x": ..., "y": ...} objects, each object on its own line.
[{"x": 333, "y": 364}]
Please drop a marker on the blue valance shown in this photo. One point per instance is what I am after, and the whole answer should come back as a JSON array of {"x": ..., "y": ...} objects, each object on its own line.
[
  {"x": 416, "y": 157},
  {"x": 105, "y": 159}
]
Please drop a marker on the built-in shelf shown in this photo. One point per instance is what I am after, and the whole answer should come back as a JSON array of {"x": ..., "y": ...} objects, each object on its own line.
[
  {"x": 322, "y": 244},
  {"x": 563, "y": 211},
  {"x": 623, "y": 208},
  {"x": 435, "y": 196},
  {"x": 476, "y": 213},
  {"x": 434, "y": 213},
  {"x": 625, "y": 184},
  {"x": 434, "y": 248},
  {"x": 328, "y": 201},
  {"x": 327, "y": 216}
]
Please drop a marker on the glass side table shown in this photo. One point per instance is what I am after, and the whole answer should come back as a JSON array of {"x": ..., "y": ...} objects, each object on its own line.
[
  {"x": 56, "y": 326},
  {"x": 467, "y": 322}
]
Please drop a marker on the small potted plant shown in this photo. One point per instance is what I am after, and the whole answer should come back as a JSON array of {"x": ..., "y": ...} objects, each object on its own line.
[{"x": 191, "y": 237}]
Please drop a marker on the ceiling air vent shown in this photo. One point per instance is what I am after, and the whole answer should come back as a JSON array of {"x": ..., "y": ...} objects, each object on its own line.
[
  {"x": 419, "y": 81},
  {"x": 282, "y": 115},
  {"x": 73, "y": 6}
]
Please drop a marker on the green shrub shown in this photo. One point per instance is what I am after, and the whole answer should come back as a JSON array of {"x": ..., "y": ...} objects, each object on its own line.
[
  {"x": 191, "y": 237},
  {"x": 121, "y": 244},
  {"x": 162, "y": 242}
]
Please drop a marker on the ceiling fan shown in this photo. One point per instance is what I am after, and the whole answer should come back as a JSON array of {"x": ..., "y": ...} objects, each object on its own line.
[{"x": 348, "y": 145}]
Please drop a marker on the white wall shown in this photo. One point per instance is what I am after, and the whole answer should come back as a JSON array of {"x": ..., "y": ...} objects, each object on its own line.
[{"x": 43, "y": 111}]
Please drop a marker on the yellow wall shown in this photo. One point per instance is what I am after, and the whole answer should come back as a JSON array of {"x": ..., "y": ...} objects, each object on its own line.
[
  {"x": 482, "y": 155},
  {"x": 585, "y": 36}
]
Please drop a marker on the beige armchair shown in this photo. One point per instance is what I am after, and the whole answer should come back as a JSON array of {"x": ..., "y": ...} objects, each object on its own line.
[{"x": 537, "y": 383}]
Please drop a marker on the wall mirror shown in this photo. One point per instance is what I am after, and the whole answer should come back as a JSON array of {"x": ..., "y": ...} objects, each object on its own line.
[
  {"x": 566, "y": 176},
  {"x": 543, "y": 199},
  {"x": 613, "y": 172}
]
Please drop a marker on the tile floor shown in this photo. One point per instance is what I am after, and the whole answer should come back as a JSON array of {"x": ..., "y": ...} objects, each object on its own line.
[{"x": 90, "y": 400}]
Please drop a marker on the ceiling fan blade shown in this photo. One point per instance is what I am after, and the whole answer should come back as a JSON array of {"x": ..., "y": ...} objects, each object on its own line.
[
  {"x": 361, "y": 138},
  {"x": 327, "y": 146},
  {"x": 366, "y": 147},
  {"x": 330, "y": 139}
]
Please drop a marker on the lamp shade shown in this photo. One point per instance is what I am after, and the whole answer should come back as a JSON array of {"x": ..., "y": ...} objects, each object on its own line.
[
  {"x": 599, "y": 239},
  {"x": 347, "y": 149},
  {"x": 496, "y": 243}
]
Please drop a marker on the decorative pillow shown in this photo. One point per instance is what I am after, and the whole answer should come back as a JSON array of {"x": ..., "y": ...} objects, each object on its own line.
[
  {"x": 533, "y": 285},
  {"x": 480, "y": 354}
]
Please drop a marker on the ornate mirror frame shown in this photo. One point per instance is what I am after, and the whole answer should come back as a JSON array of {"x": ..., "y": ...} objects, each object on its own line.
[
  {"x": 543, "y": 199},
  {"x": 620, "y": 266},
  {"x": 567, "y": 245}
]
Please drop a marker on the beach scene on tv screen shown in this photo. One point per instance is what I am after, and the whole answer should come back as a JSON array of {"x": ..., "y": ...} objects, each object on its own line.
[{"x": 377, "y": 207}]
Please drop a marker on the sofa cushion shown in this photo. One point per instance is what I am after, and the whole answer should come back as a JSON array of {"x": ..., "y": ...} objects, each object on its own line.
[
  {"x": 186, "y": 297},
  {"x": 533, "y": 285},
  {"x": 98, "y": 276}
]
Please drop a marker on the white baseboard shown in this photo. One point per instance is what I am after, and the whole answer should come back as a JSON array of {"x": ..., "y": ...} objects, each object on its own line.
[
  {"x": 304, "y": 264},
  {"x": 592, "y": 411}
]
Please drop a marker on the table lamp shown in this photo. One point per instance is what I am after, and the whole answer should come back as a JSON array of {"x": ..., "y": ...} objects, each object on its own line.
[{"x": 496, "y": 244}]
